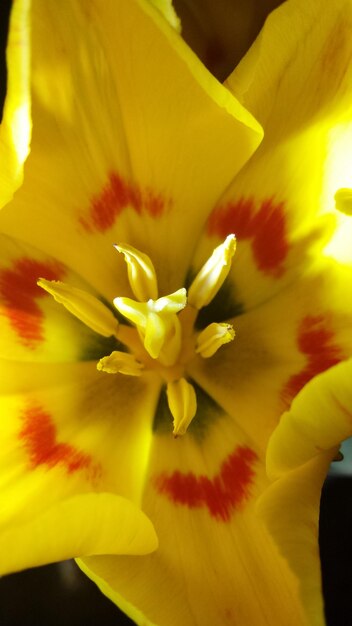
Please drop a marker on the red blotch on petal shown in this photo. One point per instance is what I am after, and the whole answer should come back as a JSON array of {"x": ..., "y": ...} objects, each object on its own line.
[
  {"x": 19, "y": 292},
  {"x": 222, "y": 494},
  {"x": 39, "y": 437},
  {"x": 266, "y": 227},
  {"x": 316, "y": 341},
  {"x": 117, "y": 195}
]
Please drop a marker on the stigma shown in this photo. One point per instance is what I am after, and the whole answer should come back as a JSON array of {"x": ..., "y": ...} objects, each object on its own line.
[{"x": 160, "y": 336}]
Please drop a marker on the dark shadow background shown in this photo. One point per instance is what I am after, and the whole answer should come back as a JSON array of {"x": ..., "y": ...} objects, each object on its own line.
[{"x": 60, "y": 594}]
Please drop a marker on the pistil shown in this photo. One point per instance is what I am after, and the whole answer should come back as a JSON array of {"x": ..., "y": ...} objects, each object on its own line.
[{"x": 157, "y": 323}]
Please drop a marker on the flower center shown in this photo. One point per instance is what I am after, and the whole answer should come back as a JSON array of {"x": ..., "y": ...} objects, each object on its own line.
[{"x": 161, "y": 336}]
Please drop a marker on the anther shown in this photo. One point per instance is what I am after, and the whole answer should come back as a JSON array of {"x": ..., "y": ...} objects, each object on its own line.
[
  {"x": 182, "y": 401},
  {"x": 122, "y": 363},
  {"x": 141, "y": 272},
  {"x": 87, "y": 308},
  {"x": 212, "y": 338},
  {"x": 212, "y": 275}
]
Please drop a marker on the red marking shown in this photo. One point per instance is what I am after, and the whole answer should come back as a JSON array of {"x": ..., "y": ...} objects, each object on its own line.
[
  {"x": 223, "y": 494},
  {"x": 266, "y": 227},
  {"x": 315, "y": 340},
  {"x": 39, "y": 437},
  {"x": 116, "y": 196},
  {"x": 19, "y": 291}
]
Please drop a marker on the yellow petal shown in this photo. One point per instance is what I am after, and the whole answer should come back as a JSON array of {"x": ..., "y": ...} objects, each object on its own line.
[
  {"x": 33, "y": 327},
  {"x": 113, "y": 157},
  {"x": 302, "y": 49},
  {"x": 279, "y": 347},
  {"x": 299, "y": 453},
  {"x": 216, "y": 562},
  {"x": 297, "y": 79},
  {"x": 96, "y": 523},
  {"x": 290, "y": 509},
  {"x": 15, "y": 127},
  {"x": 318, "y": 420},
  {"x": 60, "y": 441},
  {"x": 169, "y": 13}
]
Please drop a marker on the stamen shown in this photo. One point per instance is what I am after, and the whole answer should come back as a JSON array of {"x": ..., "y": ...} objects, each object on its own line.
[
  {"x": 212, "y": 275},
  {"x": 182, "y": 402},
  {"x": 343, "y": 200},
  {"x": 157, "y": 323},
  {"x": 141, "y": 273},
  {"x": 212, "y": 338},
  {"x": 120, "y": 362},
  {"x": 87, "y": 308}
]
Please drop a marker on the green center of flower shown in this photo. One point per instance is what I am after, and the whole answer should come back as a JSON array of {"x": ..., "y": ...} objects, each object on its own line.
[{"x": 162, "y": 337}]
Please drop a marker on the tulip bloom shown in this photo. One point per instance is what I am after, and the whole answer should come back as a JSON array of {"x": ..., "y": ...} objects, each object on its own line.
[{"x": 166, "y": 289}]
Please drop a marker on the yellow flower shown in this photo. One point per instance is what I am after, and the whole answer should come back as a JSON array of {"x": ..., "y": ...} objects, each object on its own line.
[{"x": 136, "y": 145}]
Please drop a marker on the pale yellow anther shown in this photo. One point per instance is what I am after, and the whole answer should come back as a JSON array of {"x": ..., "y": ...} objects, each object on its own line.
[
  {"x": 182, "y": 401},
  {"x": 212, "y": 338},
  {"x": 87, "y": 308},
  {"x": 157, "y": 323},
  {"x": 120, "y": 363},
  {"x": 141, "y": 273},
  {"x": 343, "y": 200},
  {"x": 212, "y": 275}
]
